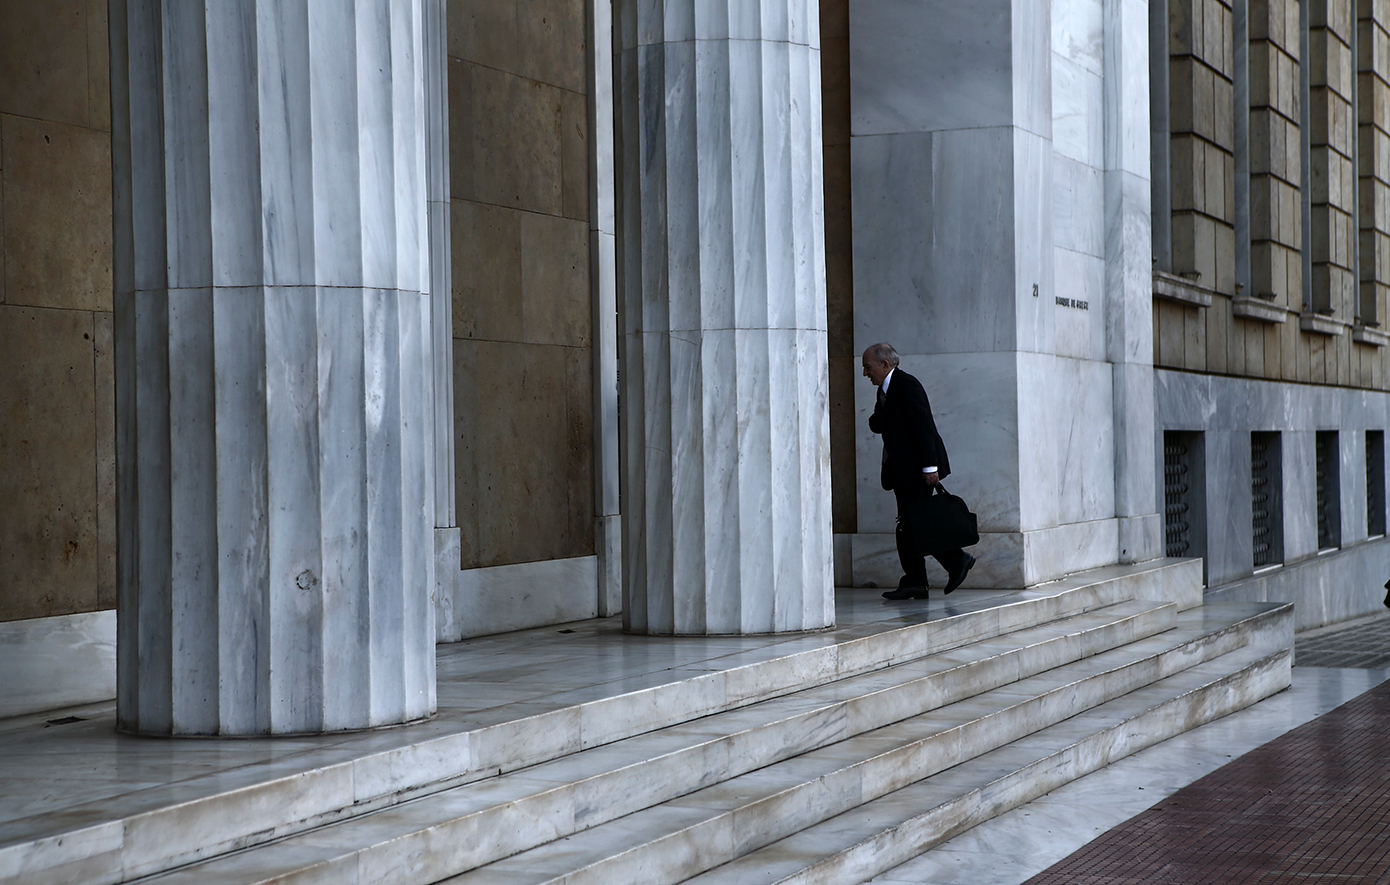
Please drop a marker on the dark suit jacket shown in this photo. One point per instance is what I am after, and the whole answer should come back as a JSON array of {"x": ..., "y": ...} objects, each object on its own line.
[{"x": 910, "y": 440}]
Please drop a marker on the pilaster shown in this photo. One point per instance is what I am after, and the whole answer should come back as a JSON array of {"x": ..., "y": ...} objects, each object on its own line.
[
  {"x": 275, "y": 489},
  {"x": 720, "y": 251}
]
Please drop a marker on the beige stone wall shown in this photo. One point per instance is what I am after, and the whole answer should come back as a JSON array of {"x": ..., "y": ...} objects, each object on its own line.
[
  {"x": 1373, "y": 153},
  {"x": 1203, "y": 170},
  {"x": 839, "y": 270},
  {"x": 523, "y": 374},
  {"x": 57, "y": 484},
  {"x": 1223, "y": 338},
  {"x": 1331, "y": 73},
  {"x": 1276, "y": 163}
]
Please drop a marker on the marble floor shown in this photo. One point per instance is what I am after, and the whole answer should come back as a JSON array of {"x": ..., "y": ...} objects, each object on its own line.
[{"x": 1022, "y": 843}]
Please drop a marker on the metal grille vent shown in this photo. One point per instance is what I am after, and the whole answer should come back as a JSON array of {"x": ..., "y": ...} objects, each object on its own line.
[
  {"x": 1175, "y": 488},
  {"x": 1375, "y": 482},
  {"x": 1260, "y": 500},
  {"x": 1266, "y": 499},
  {"x": 1329, "y": 517}
]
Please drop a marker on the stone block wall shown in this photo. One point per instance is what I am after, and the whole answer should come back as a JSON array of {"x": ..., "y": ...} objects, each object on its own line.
[
  {"x": 1276, "y": 164},
  {"x": 1203, "y": 164},
  {"x": 523, "y": 378},
  {"x": 1373, "y": 149},
  {"x": 1308, "y": 307},
  {"x": 1332, "y": 140},
  {"x": 57, "y": 416}
]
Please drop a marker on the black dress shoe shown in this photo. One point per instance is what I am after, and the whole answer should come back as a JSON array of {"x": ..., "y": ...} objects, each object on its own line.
[
  {"x": 959, "y": 576},
  {"x": 906, "y": 593}
]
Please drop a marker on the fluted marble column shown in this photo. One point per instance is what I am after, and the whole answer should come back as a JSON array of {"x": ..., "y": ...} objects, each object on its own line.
[
  {"x": 275, "y": 495},
  {"x": 726, "y": 498}
]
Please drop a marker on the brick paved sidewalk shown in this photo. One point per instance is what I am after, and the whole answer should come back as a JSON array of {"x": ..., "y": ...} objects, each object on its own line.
[{"x": 1310, "y": 807}]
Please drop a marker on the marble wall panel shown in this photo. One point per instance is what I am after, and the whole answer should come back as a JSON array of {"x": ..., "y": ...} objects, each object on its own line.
[
  {"x": 1080, "y": 411},
  {"x": 1078, "y": 32},
  {"x": 1078, "y": 123},
  {"x": 57, "y": 662},
  {"x": 1078, "y": 213},
  {"x": 487, "y": 271},
  {"x": 1034, "y": 252},
  {"x": 551, "y": 36},
  {"x": 1057, "y": 551},
  {"x": 579, "y": 447},
  {"x": 542, "y": 41},
  {"x": 505, "y": 139},
  {"x": 104, "y": 396},
  {"x": 468, "y": 436},
  {"x": 1353, "y": 473},
  {"x": 934, "y": 244},
  {"x": 49, "y": 552},
  {"x": 844, "y": 379},
  {"x": 554, "y": 281},
  {"x": 1229, "y": 549},
  {"x": 1324, "y": 589},
  {"x": 44, "y": 59},
  {"x": 1080, "y": 333},
  {"x": 929, "y": 65},
  {"x": 2, "y": 213},
  {"x": 521, "y": 595},
  {"x": 574, "y": 142},
  {"x": 98, "y": 66},
  {"x": 57, "y": 187},
  {"x": 522, "y": 420},
  {"x": 485, "y": 32}
]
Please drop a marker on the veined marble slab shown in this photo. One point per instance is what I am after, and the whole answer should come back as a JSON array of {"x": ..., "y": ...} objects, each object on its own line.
[
  {"x": 57, "y": 662},
  {"x": 481, "y": 601}
]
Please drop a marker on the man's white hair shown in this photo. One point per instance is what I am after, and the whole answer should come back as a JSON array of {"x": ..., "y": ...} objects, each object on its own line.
[{"x": 884, "y": 352}]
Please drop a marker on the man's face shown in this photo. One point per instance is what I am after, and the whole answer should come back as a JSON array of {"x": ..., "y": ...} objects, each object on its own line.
[{"x": 876, "y": 370}]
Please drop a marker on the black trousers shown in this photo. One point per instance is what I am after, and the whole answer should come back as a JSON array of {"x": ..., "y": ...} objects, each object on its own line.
[{"x": 914, "y": 561}]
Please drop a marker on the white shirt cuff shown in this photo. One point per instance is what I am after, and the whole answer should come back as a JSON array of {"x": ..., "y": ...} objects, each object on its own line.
[{"x": 928, "y": 469}]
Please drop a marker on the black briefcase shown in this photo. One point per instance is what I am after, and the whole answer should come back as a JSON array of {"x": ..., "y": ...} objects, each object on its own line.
[{"x": 941, "y": 521}]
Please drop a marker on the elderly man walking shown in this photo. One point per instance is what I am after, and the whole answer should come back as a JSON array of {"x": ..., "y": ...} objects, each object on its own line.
[{"x": 914, "y": 460}]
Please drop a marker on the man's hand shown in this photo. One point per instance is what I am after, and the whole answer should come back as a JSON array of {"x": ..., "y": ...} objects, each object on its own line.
[{"x": 931, "y": 479}]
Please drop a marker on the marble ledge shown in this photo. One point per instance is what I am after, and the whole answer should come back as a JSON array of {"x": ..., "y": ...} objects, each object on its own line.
[
  {"x": 1260, "y": 310},
  {"x": 1321, "y": 325},
  {"x": 1172, "y": 287},
  {"x": 1369, "y": 335}
]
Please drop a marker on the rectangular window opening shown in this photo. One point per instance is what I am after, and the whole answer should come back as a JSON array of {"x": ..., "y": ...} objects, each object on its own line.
[
  {"x": 1184, "y": 506},
  {"x": 1329, "y": 491},
  {"x": 1375, "y": 482},
  {"x": 1266, "y": 499}
]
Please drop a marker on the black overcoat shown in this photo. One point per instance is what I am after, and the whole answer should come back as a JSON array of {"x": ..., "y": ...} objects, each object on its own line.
[{"x": 910, "y": 440}]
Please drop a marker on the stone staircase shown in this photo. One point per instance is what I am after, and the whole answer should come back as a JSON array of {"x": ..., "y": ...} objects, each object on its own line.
[{"x": 829, "y": 762}]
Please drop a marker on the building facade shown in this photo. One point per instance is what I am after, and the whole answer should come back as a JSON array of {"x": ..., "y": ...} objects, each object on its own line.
[{"x": 439, "y": 322}]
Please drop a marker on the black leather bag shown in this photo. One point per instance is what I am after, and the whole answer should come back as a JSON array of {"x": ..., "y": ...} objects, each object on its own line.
[{"x": 940, "y": 521}]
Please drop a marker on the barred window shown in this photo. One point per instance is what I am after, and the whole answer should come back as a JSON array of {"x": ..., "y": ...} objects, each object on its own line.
[
  {"x": 1266, "y": 500},
  {"x": 1375, "y": 482},
  {"x": 1329, "y": 491}
]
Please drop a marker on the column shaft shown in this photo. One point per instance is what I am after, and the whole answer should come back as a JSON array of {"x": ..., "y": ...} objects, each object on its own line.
[
  {"x": 274, "y": 367},
  {"x": 726, "y": 498}
]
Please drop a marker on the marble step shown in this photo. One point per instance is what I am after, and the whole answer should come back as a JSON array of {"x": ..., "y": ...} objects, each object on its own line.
[
  {"x": 475, "y": 824},
  {"x": 854, "y": 847},
  {"x": 177, "y": 824},
  {"x": 683, "y": 837}
]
